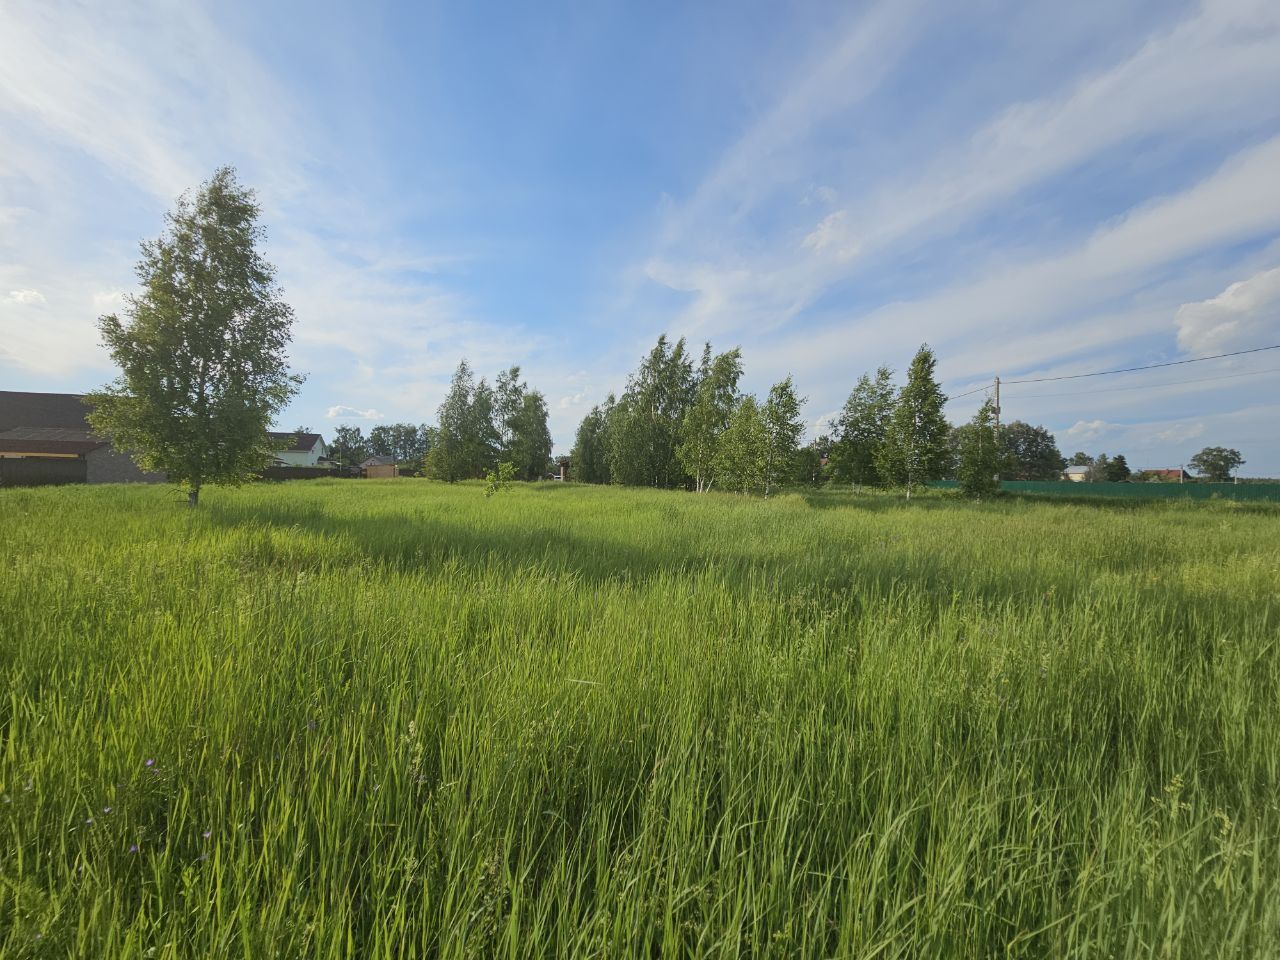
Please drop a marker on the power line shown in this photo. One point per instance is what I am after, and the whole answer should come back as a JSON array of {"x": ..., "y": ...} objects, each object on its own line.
[
  {"x": 1143, "y": 386},
  {"x": 985, "y": 386},
  {"x": 1150, "y": 366}
]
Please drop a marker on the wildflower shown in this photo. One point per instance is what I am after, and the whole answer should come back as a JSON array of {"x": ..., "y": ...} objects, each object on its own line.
[
  {"x": 89, "y": 820},
  {"x": 106, "y": 809},
  {"x": 133, "y": 848},
  {"x": 207, "y": 834},
  {"x": 150, "y": 762}
]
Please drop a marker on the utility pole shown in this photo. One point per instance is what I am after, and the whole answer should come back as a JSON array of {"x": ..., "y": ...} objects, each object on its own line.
[{"x": 997, "y": 427}]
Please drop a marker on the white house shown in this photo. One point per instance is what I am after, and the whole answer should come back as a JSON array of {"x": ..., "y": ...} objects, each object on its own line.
[
  {"x": 300, "y": 449},
  {"x": 1077, "y": 474}
]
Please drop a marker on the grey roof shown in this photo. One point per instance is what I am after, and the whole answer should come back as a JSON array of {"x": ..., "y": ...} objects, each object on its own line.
[
  {"x": 295, "y": 442},
  {"x": 57, "y": 410},
  {"x": 379, "y": 462}
]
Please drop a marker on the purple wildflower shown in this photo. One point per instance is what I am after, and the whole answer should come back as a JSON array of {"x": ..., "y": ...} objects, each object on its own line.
[
  {"x": 150, "y": 762},
  {"x": 207, "y": 834},
  {"x": 133, "y": 848}
]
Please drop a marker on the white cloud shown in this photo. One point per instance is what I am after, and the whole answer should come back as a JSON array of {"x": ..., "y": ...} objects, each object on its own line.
[
  {"x": 1083, "y": 431},
  {"x": 352, "y": 413},
  {"x": 108, "y": 301},
  {"x": 1245, "y": 315},
  {"x": 26, "y": 296},
  {"x": 834, "y": 237},
  {"x": 1210, "y": 76},
  {"x": 1178, "y": 432},
  {"x": 574, "y": 400}
]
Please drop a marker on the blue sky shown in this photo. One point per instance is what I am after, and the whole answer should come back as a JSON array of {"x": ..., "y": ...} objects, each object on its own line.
[{"x": 1033, "y": 188}]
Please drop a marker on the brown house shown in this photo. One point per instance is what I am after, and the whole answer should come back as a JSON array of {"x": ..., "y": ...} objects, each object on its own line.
[
  {"x": 376, "y": 467},
  {"x": 45, "y": 438}
]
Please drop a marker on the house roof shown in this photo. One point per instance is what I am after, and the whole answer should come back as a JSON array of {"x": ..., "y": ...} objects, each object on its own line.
[
  {"x": 379, "y": 462},
  {"x": 58, "y": 410},
  {"x": 48, "y": 440},
  {"x": 296, "y": 442},
  {"x": 1078, "y": 468}
]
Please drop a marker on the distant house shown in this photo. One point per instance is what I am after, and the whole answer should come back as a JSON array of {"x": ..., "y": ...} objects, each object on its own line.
[
  {"x": 376, "y": 467},
  {"x": 45, "y": 438},
  {"x": 300, "y": 449},
  {"x": 1175, "y": 475},
  {"x": 1078, "y": 474}
]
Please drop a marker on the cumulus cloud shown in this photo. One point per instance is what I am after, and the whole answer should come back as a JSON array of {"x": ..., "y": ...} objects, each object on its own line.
[
  {"x": 574, "y": 400},
  {"x": 26, "y": 296},
  {"x": 352, "y": 413},
  {"x": 1245, "y": 314},
  {"x": 1086, "y": 430}
]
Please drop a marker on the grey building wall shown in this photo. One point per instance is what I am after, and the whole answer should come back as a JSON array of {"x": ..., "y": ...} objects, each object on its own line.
[{"x": 106, "y": 465}]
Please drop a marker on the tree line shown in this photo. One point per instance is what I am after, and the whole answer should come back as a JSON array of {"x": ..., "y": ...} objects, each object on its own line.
[
  {"x": 681, "y": 424},
  {"x": 203, "y": 371}
]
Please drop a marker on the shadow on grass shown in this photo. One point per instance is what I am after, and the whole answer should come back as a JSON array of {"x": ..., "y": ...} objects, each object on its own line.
[{"x": 879, "y": 568}]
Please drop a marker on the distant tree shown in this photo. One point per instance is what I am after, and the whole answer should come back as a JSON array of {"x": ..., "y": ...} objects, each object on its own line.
[
  {"x": 201, "y": 350},
  {"x": 481, "y": 440},
  {"x": 590, "y": 455},
  {"x": 644, "y": 425},
  {"x": 1217, "y": 463},
  {"x": 740, "y": 457},
  {"x": 980, "y": 455},
  {"x": 1081, "y": 459},
  {"x": 1118, "y": 469},
  {"x": 1033, "y": 452},
  {"x": 782, "y": 430},
  {"x": 381, "y": 442},
  {"x": 861, "y": 429},
  {"x": 813, "y": 462},
  {"x": 708, "y": 416},
  {"x": 529, "y": 444},
  {"x": 301, "y": 429},
  {"x": 349, "y": 446},
  {"x": 508, "y": 398},
  {"x": 1099, "y": 469},
  {"x": 448, "y": 459},
  {"x": 915, "y": 449}
]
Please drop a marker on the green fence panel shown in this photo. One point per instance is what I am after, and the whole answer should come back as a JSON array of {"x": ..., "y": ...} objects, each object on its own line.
[{"x": 1138, "y": 491}]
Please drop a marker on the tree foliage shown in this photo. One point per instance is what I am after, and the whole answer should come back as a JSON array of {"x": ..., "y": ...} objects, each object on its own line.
[
  {"x": 915, "y": 449},
  {"x": 1032, "y": 452},
  {"x": 202, "y": 348},
  {"x": 1217, "y": 463},
  {"x": 644, "y": 426},
  {"x": 980, "y": 455},
  {"x": 590, "y": 457},
  {"x": 740, "y": 453},
  {"x": 861, "y": 429},
  {"x": 708, "y": 417},
  {"x": 783, "y": 429},
  {"x": 349, "y": 446},
  {"x": 449, "y": 459}
]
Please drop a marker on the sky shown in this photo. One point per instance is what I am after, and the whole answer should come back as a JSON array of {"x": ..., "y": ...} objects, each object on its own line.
[{"x": 1033, "y": 189}]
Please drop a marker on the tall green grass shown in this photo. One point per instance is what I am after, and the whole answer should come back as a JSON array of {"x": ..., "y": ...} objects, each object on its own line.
[{"x": 398, "y": 719}]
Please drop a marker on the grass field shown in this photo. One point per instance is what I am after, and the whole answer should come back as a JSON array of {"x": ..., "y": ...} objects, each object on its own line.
[{"x": 397, "y": 719}]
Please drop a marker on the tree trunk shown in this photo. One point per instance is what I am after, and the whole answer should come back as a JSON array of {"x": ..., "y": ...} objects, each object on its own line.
[{"x": 193, "y": 497}]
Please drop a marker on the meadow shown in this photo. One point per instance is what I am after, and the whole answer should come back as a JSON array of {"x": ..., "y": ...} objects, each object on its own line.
[{"x": 396, "y": 718}]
